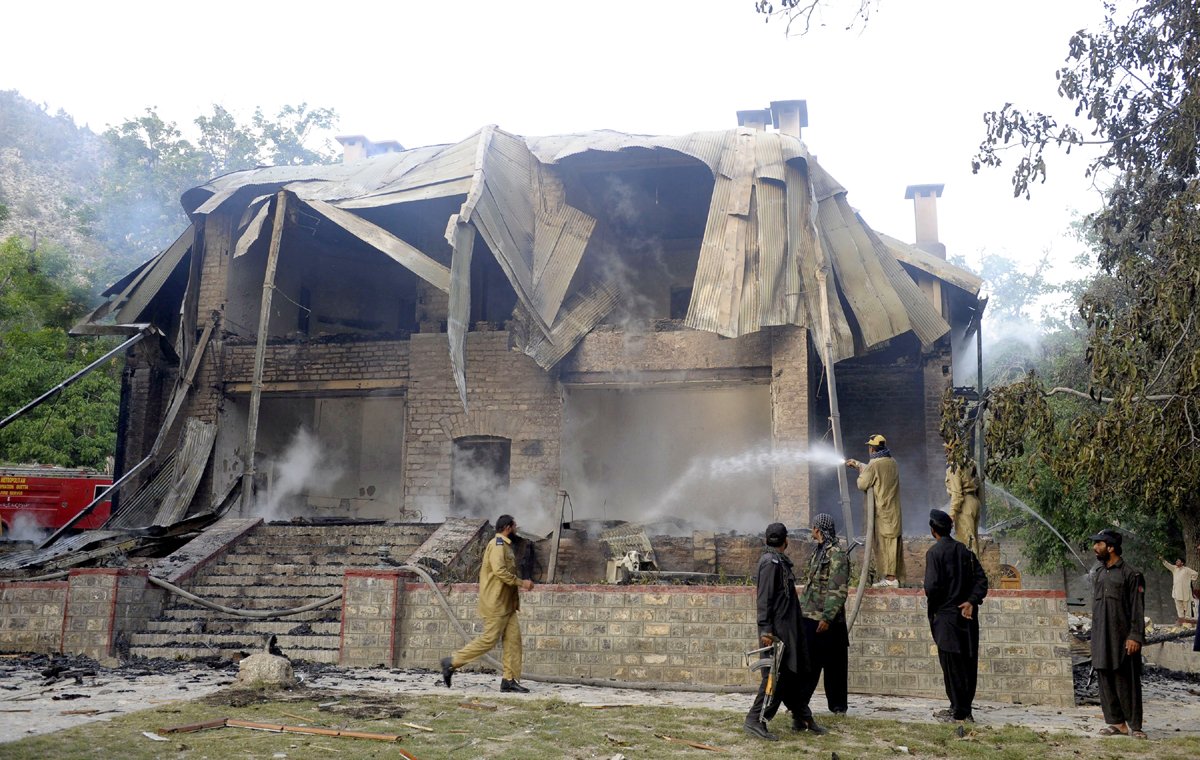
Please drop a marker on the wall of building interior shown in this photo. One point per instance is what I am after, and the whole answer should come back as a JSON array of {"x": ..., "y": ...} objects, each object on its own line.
[
  {"x": 884, "y": 392},
  {"x": 324, "y": 456},
  {"x": 698, "y": 455}
]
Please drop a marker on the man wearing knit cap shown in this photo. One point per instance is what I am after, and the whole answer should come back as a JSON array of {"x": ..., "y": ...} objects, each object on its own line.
[
  {"x": 823, "y": 605},
  {"x": 778, "y": 620},
  {"x": 955, "y": 586},
  {"x": 881, "y": 476},
  {"x": 1118, "y": 633}
]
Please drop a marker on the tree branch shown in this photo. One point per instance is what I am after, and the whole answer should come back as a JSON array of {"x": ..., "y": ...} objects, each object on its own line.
[{"x": 1108, "y": 399}]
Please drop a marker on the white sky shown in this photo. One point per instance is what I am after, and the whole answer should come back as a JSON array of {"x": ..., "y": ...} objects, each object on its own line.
[{"x": 894, "y": 104}]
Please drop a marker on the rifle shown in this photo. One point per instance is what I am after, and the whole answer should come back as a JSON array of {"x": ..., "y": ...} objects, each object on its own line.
[{"x": 770, "y": 657}]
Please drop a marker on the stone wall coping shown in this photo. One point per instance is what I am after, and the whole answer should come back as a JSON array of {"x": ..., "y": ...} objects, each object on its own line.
[
  {"x": 119, "y": 571},
  {"x": 7, "y": 584}
]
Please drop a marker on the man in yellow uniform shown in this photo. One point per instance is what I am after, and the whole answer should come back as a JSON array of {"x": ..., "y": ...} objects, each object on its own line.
[
  {"x": 962, "y": 484},
  {"x": 881, "y": 476},
  {"x": 499, "y": 602}
]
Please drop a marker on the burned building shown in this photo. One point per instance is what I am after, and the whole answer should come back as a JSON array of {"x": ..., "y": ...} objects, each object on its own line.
[{"x": 601, "y": 325}]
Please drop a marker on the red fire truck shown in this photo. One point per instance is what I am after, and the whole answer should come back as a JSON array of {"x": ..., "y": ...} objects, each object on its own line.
[{"x": 47, "y": 497}]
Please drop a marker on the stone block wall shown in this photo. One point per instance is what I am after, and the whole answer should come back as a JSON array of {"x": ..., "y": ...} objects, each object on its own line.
[
  {"x": 1024, "y": 656},
  {"x": 31, "y": 616},
  {"x": 697, "y": 635},
  {"x": 104, "y": 606},
  {"x": 371, "y": 604}
]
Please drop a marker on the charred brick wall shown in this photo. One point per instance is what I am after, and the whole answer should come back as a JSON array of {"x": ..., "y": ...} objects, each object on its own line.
[
  {"x": 31, "y": 616},
  {"x": 508, "y": 396},
  {"x": 321, "y": 361}
]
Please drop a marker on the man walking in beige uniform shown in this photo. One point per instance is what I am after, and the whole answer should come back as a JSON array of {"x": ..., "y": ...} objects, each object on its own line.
[{"x": 499, "y": 602}]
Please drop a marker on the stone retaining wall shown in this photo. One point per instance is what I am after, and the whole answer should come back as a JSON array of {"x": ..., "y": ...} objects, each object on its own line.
[
  {"x": 31, "y": 616},
  {"x": 697, "y": 634}
]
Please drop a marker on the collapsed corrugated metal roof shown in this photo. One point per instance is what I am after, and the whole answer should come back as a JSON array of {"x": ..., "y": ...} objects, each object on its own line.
[{"x": 778, "y": 227}]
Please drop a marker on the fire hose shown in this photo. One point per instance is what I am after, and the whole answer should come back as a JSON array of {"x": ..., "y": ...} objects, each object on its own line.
[
  {"x": 866, "y": 563},
  {"x": 423, "y": 574}
]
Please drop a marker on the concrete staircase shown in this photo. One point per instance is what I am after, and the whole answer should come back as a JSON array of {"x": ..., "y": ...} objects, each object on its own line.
[{"x": 276, "y": 567}]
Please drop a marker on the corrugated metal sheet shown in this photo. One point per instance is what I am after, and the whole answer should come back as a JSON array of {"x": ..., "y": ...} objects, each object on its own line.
[
  {"x": 935, "y": 266},
  {"x": 777, "y": 222},
  {"x": 462, "y": 242},
  {"x": 63, "y": 547},
  {"x": 140, "y": 292},
  {"x": 139, "y": 510},
  {"x": 582, "y": 312},
  {"x": 190, "y": 461}
]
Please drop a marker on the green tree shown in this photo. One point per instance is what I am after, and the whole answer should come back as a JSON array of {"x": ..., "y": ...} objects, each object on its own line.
[
  {"x": 1134, "y": 89},
  {"x": 152, "y": 164},
  {"x": 39, "y": 300}
]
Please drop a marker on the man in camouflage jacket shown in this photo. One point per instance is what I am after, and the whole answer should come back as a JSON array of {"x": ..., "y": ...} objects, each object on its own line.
[{"x": 823, "y": 607}]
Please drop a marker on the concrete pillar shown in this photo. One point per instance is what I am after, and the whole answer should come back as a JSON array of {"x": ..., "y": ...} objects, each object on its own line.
[
  {"x": 104, "y": 606},
  {"x": 937, "y": 375},
  {"x": 370, "y": 617}
]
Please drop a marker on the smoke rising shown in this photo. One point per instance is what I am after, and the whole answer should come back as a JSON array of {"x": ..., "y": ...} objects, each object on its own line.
[
  {"x": 304, "y": 468},
  {"x": 25, "y": 527}
]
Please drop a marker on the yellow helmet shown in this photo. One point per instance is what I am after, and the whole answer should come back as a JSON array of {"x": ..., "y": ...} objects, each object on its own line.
[{"x": 877, "y": 440}]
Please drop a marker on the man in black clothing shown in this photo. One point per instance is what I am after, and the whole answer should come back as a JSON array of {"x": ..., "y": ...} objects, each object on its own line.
[
  {"x": 955, "y": 586},
  {"x": 779, "y": 620},
  {"x": 1118, "y": 633}
]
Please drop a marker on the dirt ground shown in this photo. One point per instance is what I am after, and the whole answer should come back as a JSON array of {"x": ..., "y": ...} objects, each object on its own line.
[{"x": 34, "y": 699}]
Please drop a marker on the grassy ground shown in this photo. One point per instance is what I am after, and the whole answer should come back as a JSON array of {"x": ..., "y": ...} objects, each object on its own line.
[{"x": 542, "y": 729}]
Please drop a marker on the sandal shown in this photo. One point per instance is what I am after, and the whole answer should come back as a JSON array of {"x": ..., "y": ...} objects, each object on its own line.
[
  {"x": 1111, "y": 731},
  {"x": 1139, "y": 735}
]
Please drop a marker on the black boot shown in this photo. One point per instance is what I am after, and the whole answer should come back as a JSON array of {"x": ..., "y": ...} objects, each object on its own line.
[
  {"x": 447, "y": 670},
  {"x": 756, "y": 728},
  {"x": 808, "y": 724},
  {"x": 513, "y": 686}
]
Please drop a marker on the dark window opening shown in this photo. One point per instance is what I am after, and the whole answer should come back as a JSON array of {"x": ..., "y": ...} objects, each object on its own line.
[
  {"x": 479, "y": 476},
  {"x": 681, "y": 297},
  {"x": 492, "y": 297}
]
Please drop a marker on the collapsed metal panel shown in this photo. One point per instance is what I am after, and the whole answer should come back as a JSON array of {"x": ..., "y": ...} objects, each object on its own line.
[{"x": 192, "y": 458}]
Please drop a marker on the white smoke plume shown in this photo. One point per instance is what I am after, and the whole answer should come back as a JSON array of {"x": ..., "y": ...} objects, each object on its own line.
[
  {"x": 303, "y": 468},
  {"x": 25, "y": 527}
]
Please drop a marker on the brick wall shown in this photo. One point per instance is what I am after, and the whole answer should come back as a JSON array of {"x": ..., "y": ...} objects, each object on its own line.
[
  {"x": 790, "y": 422},
  {"x": 508, "y": 396},
  {"x": 321, "y": 361},
  {"x": 696, "y": 635},
  {"x": 609, "y": 351},
  {"x": 31, "y": 616},
  {"x": 1024, "y": 656}
]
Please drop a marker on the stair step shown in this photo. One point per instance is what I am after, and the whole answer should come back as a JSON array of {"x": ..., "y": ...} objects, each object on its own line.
[
  {"x": 303, "y": 558},
  {"x": 192, "y": 653},
  {"x": 217, "y": 593},
  {"x": 240, "y": 626},
  {"x": 272, "y": 579},
  {"x": 275, "y": 568},
  {"x": 232, "y": 640},
  {"x": 329, "y": 613}
]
